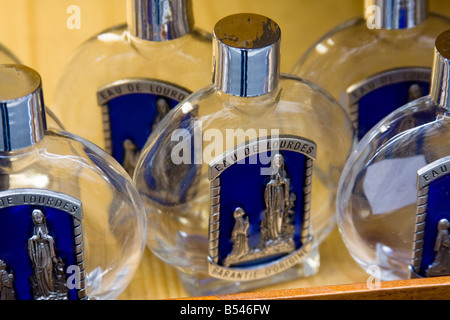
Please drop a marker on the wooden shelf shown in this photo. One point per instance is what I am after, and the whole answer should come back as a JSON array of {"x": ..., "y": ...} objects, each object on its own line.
[{"x": 415, "y": 289}]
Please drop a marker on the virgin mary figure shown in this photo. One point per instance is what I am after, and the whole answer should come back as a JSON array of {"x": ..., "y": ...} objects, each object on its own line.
[
  {"x": 42, "y": 255},
  {"x": 441, "y": 263}
]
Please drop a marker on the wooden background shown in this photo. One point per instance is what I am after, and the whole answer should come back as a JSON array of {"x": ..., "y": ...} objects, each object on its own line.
[{"x": 36, "y": 31}]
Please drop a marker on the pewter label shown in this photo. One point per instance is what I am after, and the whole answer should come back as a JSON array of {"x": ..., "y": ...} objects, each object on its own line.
[
  {"x": 372, "y": 99},
  {"x": 262, "y": 146},
  {"x": 259, "y": 223},
  {"x": 433, "y": 171},
  {"x": 32, "y": 197},
  {"x": 138, "y": 85},
  {"x": 41, "y": 243},
  {"x": 431, "y": 246},
  {"x": 132, "y": 109},
  {"x": 236, "y": 274}
]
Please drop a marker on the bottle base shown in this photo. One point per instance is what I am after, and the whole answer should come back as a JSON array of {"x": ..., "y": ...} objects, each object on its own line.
[
  {"x": 386, "y": 266},
  {"x": 202, "y": 284}
]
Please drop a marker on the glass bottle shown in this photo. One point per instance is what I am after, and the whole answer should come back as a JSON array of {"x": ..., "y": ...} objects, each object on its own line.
[
  {"x": 384, "y": 57},
  {"x": 394, "y": 187},
  {"x": 123, "y": 81},
  {"x": 72, "y": 224},
  {"x": 239, "y": 182}
]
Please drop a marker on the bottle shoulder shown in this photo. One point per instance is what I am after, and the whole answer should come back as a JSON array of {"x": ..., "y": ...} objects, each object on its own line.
[
  {"x": 347, "y": 27},
  {"x": 412, "y": 130},
  {"x": 355, "y": 52},
  {"x": 111, "y": 57},
  {"x": 355, "y": 34},
  {"x": 70, "y": 165},
  {"x": 295, "y": 107},
  {"x": 293, "y": 97},
  {"x": 64, "y": 150},
  {"x": 114, "y": 42},
  {"x": 114, "y": 55}
]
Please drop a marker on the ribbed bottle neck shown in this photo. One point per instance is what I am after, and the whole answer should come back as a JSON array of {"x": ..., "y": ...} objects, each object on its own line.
[
  {"x": 22, "y": 111},
  {"x": 246, "y": 49},
  {"x": 440, "y": 81},
  {"x": 159, "y": 20},
  {"x": 395, "y": 14}
]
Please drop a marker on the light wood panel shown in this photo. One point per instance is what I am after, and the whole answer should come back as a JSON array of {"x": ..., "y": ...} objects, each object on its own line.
[{"x": 37, "y": 32}]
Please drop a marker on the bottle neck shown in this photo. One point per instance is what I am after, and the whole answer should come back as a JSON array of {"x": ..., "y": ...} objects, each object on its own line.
[
  {"x": 22, "y": 111},
  {"x": 159, "y": 20},
  {"x": 246, "y": 50},
  {"x": 440, "y": 81},
  {"x": 395, "y": 14}
]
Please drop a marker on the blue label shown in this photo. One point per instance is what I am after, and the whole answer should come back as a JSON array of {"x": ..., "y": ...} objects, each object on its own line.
[
  {"x": 435, "y": 238},
  {"x": 373, "y": 99},
  {"x": 260, "y": 209},
  {"x": 131, "y": 111},
  {"x": 38, "y": 250},
  {"x": 172, "y": 170}
]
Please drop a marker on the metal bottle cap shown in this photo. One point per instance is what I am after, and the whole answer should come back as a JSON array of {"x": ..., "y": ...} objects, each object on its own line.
[
  {"x": 22, "y": 113},
  {"x": 396, "y": 14},
  {"x": 246, "y": 50},
  {"x": 159, "y": 20},
  {"x": 440, "y": 79}
]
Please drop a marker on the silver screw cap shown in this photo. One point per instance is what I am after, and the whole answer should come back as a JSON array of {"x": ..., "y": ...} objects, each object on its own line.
[
  {"x": 246, "y": 50},
  {"x": 22, "y": 112}
]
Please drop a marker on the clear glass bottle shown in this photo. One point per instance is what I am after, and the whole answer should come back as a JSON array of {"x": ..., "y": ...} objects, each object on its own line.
[
  {"x": 240, "y": 180},
  {"x": 384, "y": 57},
  {"x": 394, "y": 188},
  {"x": 72, "y": 224},
  {"x": 123, "y": 81}
]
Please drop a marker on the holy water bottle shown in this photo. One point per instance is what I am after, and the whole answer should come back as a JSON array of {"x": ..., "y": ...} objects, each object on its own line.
[
  {"x": 119, "y": 85},
  {"x": 72, "y": 224},
  {"x": 394, "y": 191},
  {"x": 376, "y": 63},
  {"x": 239, "y": 182}
]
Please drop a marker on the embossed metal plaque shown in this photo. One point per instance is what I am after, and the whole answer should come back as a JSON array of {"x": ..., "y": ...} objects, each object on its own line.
[
  {"x": 372, "y": 99},
  {"x": 431, "y": 252},
  {"x": 41, "y": 246},
  {"x": 131, "y": 109},
  {"x": 259, "y": 216}
]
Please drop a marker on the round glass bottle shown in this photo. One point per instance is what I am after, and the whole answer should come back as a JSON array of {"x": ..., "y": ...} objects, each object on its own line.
[
  {"x": 118, "y": 85},
  {"x": 376, "y": 63},
  {"x": 72, "y": 223},
  {"x": 239, "y": 183},
  {"x": 393, "y": 189}
]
